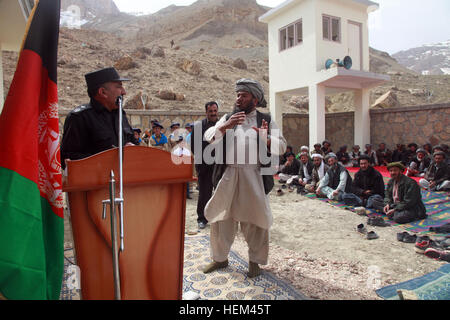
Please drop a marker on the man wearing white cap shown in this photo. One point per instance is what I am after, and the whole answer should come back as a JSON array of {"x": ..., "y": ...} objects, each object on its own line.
[
  {"x": 319, "y": 170},
  {"x": 336, "y": 181}
]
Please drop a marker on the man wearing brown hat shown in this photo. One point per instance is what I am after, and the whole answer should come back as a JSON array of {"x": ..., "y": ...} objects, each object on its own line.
[
  {"x": 403, "y": 200},
  {"x": 94, "y": 127}
]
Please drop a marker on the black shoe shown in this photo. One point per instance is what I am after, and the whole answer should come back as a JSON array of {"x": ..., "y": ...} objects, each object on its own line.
[
  {"x": 409, "y": 238},
  {"x": 372, "y": 235},
  {"x": 377, "y": 222}
]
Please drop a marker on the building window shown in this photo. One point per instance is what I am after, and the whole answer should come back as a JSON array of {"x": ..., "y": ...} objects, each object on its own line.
[
  {"x": 331, "y": 27},
  {"x": 291, "y": 35}
]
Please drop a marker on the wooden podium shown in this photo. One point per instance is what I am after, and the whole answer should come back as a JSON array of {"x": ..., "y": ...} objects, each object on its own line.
[{"x": 154, "y": 192}]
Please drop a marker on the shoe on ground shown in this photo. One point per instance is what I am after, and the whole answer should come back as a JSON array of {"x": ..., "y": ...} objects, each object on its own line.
[
  {"x": 279, "y": 192},
  {"x": 401, "y": 236},
  {"x": 377, "y": 222},
  {"x": 283, "y": 186},
  {"x": 372, "y": 235},
  {"x": 361, "y": 229},
  {"x": 424, "y": 244},
  {"x": 408, "y": 238}
]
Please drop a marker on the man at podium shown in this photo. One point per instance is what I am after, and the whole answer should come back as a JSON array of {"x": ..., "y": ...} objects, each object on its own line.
[{"x": 94, "y": 127}]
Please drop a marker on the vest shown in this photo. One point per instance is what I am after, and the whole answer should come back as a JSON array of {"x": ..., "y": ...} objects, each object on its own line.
[
  {"x": 219, "y": 169},
  {"x": 334, "y": 178}
]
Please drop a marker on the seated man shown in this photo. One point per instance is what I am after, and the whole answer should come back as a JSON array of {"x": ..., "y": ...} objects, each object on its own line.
[
  {"x": 343, "y": 157},
  {"x": 317, "y": 149},
  {"x": 305, "y": 172},
  {"x": 290, "y": 169},
  {"x": 419, "y": 164},
  {"x": 336, "y": 182},
  {"x": 410, "y": 153},
  {"x": 384, "y": 155},
  {"x": 318, "y": 172},
  {"x": 373, "y": 160},
  {"x": 368, "y": 186},
  {"x": 283, "y": 157},
  {"x": 403, "y": 200},
  {"x": 354, "y": 156},
  {"x": 399, "y": 154},
  {"x": 437, "y": 176},
  {"x": 326, "y": 147},
  {"x": 303, "y": 149}
]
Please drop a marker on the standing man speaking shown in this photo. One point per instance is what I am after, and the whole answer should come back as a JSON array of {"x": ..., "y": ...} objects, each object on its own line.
[{"x": 240, "y": 196}]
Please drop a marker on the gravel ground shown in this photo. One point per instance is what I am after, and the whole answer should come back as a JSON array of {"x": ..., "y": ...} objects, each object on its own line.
[{"x": 316, "y": 247}]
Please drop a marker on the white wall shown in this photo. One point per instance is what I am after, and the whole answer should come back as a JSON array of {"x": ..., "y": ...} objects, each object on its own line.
[
  {"x": 300, "y": 58},
  {"x": 338, "y": 50}
]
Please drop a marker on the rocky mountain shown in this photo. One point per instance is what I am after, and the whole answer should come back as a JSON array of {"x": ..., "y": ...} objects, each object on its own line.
[
  {"x": 430, "y": 59},
  {"x": 203, "y": 64}
]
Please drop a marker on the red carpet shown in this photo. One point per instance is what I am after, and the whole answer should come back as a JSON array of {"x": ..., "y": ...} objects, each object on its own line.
[{"x": 383, "y": 170}]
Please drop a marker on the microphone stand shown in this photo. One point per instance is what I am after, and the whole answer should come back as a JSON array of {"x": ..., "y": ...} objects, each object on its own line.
[{"x": 112, "y": 201}]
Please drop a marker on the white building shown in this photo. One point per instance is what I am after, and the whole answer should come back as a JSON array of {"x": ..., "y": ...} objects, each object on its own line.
[
  {"x": 303, "y": 35},
  {"x": 13, "y": 20}
]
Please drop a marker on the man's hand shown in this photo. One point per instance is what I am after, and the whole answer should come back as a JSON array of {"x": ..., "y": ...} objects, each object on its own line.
[
  {"x": 335, "y": 193},
  {"x": 235, "y": 120},
  {"x": 263, "y": 131},
  {"x": 386, "y": 209},
  {"x": 390, "y": 213},
  {"x": 318, "y": 192},
  {"x": 432, "y": 184}
]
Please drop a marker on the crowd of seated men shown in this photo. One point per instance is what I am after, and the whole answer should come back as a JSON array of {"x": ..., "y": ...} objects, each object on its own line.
[{"x": 325, "y": 173}]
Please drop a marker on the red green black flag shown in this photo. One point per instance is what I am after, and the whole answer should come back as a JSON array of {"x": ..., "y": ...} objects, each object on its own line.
[{"x": 31, "y": 199}]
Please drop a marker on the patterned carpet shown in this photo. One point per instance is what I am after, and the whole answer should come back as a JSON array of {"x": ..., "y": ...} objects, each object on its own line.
[
  {"x": 432, "y": 286},
  {"x": 230, "y": 283}
]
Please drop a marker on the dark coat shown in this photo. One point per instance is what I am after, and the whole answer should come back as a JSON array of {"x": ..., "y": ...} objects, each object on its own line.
[
  {"x": 370, "y": 179},
  {"x": 315, "y": 174},
  {"x": 90, "y": 129},
  {"x": 292, "y": 169},
  {"x": 309, "y": 167},
  {"x": 437, "y": 173},
  {"x": 423, "y": 165},
  {"x": 409, "y": 195},
  {"x": 198, "y": 152}
]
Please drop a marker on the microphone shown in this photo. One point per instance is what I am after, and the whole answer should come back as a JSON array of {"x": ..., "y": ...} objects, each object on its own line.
[{"x": 119, "y": 100}]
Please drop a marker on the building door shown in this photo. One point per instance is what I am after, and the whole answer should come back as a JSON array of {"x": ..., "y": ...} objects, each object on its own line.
[{"x": 355, "y": 44}]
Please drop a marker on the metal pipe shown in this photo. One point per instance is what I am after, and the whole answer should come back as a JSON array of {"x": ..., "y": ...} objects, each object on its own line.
[
  {"x": 121, "y": 222},
  {"x": 115, "y": 253}
]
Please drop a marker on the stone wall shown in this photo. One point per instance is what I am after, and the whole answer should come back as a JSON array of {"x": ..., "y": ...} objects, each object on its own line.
[
  {"x": 339, "y": 129},
  {"x": 404, "y": 125},
  {"x": 419, "y": 124}
]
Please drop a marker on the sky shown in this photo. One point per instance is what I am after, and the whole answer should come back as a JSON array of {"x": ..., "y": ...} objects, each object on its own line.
[{"x": 397, "y": 25}]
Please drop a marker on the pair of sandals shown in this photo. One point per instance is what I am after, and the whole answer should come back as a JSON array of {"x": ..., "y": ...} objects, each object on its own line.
[{"x": 371, "y": 235}]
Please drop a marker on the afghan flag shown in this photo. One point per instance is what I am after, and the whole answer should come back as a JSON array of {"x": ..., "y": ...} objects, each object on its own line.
[{"x": 31, "y": 198}]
